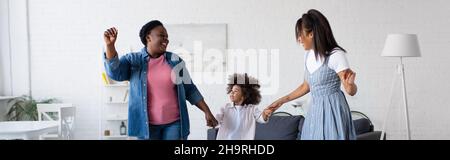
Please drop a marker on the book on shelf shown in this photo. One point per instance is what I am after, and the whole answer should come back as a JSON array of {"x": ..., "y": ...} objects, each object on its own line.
[
  {"x": 105, "y": 78},
  {"x": 108, "y": 81}
]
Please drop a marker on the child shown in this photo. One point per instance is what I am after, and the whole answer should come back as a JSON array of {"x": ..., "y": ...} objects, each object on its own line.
[{"x": 237, "y": 119}]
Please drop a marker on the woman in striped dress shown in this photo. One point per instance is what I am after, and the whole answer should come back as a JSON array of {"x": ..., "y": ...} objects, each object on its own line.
[{"x": 326, "y": 67}]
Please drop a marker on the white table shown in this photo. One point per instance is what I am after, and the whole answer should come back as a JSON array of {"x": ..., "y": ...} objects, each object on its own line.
[{"x": 26, "y": 129}]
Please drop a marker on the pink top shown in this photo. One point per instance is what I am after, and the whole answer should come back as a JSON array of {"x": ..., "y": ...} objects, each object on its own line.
[{"x": 162, "y": 96}]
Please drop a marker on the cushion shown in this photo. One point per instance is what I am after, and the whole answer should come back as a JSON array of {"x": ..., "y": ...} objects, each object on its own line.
[
  {"x": 278, "y": 128},
  {"x": 300, "y": 127}
]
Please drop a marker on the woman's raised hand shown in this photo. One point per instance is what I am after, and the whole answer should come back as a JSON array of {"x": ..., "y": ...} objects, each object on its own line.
[
  {"x": 349, "y": 77},
  {"x": 110, "y": 36}
]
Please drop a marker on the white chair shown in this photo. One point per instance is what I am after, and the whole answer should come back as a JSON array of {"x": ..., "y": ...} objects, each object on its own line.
[{"x": 63, "y": 113}]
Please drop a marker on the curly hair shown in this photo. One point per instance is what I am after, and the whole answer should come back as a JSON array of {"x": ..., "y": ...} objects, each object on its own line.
[
  {"x": 249, "y": 86},
  {"x": 145, "y": 30}
]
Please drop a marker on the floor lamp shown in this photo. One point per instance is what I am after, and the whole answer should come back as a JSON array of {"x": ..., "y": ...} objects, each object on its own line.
[{"x": 401, "y": 45}]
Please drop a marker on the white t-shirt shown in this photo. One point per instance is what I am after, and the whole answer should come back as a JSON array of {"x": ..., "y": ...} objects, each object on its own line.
[
  {"x": 337, "y": 61},
  {"x": 238, "y": 122}
]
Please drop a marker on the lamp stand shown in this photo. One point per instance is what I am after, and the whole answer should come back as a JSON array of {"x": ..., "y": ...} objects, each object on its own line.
[{"x": 405, "y": 102}]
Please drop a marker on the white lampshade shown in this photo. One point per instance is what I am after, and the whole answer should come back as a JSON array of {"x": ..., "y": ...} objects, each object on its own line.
[{"x": 401, "y": 45}]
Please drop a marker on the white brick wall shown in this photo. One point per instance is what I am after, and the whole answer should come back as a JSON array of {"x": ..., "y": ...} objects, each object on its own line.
[{"x": 66, "y": 42}]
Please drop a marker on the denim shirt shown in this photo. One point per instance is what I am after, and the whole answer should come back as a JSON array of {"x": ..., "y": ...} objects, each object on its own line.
[{"x": 133, "y": 67}]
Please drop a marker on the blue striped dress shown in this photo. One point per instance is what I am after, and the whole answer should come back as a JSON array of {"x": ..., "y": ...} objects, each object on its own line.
[{"x": 329, "y": 116}]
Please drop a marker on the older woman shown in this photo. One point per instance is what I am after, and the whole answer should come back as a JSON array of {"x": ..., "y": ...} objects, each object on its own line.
[{"x": 157, "y": 105}]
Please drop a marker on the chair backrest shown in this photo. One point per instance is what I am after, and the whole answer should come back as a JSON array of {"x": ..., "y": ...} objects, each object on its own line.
[
  {"x": 64, "y": 113},
  {"x": 67, "y": 122},
  {"x": 281, "y": 114},
  {"x": 361, "y": 118}
]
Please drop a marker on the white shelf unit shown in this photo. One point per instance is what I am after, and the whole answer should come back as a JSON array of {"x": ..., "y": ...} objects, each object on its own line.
[
  {"x": 114, "y": 111},
  {"x": 117, "y": 85},
  {"x": 117, "y": 117},
  {"x": 119, "y": 137},
  {"x": 117, "y": 102}
]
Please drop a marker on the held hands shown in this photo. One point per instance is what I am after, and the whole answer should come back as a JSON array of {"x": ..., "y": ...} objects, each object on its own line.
[
  {"x": 110, "y": 36},
  {"x": 275, "y": 105},
  {"x": 272, "y": 107},
  {"x": 266, "y": 113},
  {"x": 210, "y": 120}
]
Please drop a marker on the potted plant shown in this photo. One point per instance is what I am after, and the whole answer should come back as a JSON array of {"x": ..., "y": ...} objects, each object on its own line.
[{"x": 24, "y": 108}]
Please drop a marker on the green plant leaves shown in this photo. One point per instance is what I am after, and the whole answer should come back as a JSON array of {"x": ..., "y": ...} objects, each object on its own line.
[{"x": 24, "y": 108}]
